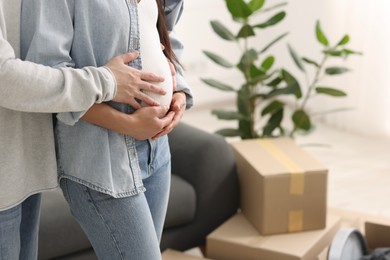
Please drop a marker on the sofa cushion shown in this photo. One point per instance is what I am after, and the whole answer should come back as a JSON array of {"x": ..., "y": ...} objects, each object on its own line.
[
  {"x": 59, "y": 233},
  {"x": 182, "y": 203}
]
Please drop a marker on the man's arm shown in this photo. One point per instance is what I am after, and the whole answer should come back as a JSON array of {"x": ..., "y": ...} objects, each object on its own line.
[{"x": 30, "y": 87}]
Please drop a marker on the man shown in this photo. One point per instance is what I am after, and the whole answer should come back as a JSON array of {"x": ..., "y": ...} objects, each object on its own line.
[{"x": 29, "y": 93}]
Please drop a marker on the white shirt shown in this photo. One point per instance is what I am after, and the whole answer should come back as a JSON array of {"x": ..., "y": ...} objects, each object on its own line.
[{"x": 152, "y": 56}]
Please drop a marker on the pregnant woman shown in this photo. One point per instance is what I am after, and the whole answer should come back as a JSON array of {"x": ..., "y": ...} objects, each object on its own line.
[{"x": 116, "y": 183}]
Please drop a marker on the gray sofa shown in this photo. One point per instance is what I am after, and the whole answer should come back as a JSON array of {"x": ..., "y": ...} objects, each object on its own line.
[{"x": 204, "y": 193}]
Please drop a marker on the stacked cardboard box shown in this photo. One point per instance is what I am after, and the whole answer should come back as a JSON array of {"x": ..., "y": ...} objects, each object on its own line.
[
  {"x": 377, "y": 233},
  {"x": 376, "y": 229},
  {"x": 238, "y": 239},
  {"x": 170, "y": 254},
  {"x": 283, "y": 203},
  {"x": 348, "y": 218},
  {"x": 283, "y": 188}
]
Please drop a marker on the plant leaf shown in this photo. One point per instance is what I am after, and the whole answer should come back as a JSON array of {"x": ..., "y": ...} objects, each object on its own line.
[
  {"x": 247, "y": 60},
  {"x": 228, "y": 115},
  {"x": 296, "y": 58},
  {"x": 246, "y": 130},
  {"x": 275, "y": 82},
  {"x": 238, "y": 8},
  {"x": 335, "y": 110},
  {"x": 344, "y": 40},
  {"x": 273, "y": 107},
  {"x": 330, "y": 91},
  {"x": 336, "y": 70},
  {"x": 242, "y": 101},
  {"x": 246, "y": 31},
  {"x": 269, "y": 45},
  {"x": 293, "y": 86},
  {"x": 274, "y": 7},
  {"x": 228, "y": 132},
  {"x": 258, "y": 96},
  {"x": 272, "y": 21},
  {"x": 244, "y": 107},
  {"x": 256, "y": 73},
  {"x": 268, "y": 62},
  {"x": 222, "y": 31},
  {"x": 218, "y": 59},
  {"x": 348, "y": 51},
  {"x": 273, "y": 123},
  {"x": 258, "y": 79},
  {"x": 217, "y": 84},
  {"x": 255, "y": 5},
  {"x": 301, "y": 120},
  {"x": 334, "y": 53},
  {"x": 309, "y": 61},
  {"x": 320, "y": 35}
]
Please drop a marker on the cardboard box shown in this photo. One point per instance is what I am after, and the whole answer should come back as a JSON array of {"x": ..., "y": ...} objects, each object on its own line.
[
  {"x": 238, "y": 239},
  {"x": 170, "y": 254},
  {"x": 377, "y": 232},
  {"x": 349, "y": 218},
  {"x": 283, "y": 188},
  {"x": 376, "y": 229},
  {"x": 324, "y": 254}
]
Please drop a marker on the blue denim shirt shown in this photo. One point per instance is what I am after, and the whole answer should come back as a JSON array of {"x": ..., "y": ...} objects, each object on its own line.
[{"x": 77, "y": 33}]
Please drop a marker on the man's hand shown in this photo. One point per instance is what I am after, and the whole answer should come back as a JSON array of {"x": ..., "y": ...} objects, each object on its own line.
[
  {"x": 131, "y": 82},
  {"x": 178, "y": 106}
]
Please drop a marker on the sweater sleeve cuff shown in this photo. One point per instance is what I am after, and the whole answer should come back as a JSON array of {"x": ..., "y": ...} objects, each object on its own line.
[
  {"x": 70, "y": 118},
  {"x": 182, "y": 85},
  {"x": 110, "y": 86}
]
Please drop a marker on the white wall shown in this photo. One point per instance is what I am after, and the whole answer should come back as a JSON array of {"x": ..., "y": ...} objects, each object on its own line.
[
  {"x": 197, "y": 35},
  {"x": 368, "y": 85}
]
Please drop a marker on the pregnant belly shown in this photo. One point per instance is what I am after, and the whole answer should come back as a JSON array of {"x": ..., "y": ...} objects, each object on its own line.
[{"x": 157, "y": 63}]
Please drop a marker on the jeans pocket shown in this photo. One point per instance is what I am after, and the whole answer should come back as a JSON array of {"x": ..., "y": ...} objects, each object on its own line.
[
  {"x": 144, "y": 156},
  {"x": 151, "y": 144}
]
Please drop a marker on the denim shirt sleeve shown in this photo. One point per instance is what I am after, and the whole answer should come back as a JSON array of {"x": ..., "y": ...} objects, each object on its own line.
[
  {"x": 47, "y": 30},
  {"x": 172, "y": 12}
]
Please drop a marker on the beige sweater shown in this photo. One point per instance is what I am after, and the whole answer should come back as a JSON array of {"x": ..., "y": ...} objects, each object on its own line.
[{"x": 28, "y": 94}]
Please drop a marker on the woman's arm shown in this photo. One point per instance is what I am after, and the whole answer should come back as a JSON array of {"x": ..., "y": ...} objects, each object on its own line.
[
  {"x": 173, "y": 11},
  {"x": 145, "y": 123}
]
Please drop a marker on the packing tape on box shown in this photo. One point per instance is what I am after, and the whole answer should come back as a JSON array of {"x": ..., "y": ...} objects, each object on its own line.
[
  {"x": 297, "y": 178},
  {"x": 297, "y": 182},
  {"x": 295, "y": 220}
]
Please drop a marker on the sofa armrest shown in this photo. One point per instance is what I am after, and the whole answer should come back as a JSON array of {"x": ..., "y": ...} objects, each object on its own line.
[{"x": 207, "y": 162}]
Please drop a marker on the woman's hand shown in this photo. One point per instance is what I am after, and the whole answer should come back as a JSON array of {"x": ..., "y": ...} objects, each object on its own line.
[
  {"x": 149, "y": 121},
  {"x": 131, "y": 81},
  {"x": 173, "y": 73},
  {"x": 178, "y": 106},
  {"x": 144, "y": 123}
]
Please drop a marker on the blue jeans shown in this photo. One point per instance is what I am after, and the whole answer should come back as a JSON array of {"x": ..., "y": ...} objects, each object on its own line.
[
  {"x": 19, "y": 230},
  {"x": 131, "y": 227}
]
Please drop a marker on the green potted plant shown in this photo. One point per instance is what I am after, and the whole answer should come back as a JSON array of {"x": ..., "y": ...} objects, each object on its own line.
[{"x": 261, "y": 106}]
